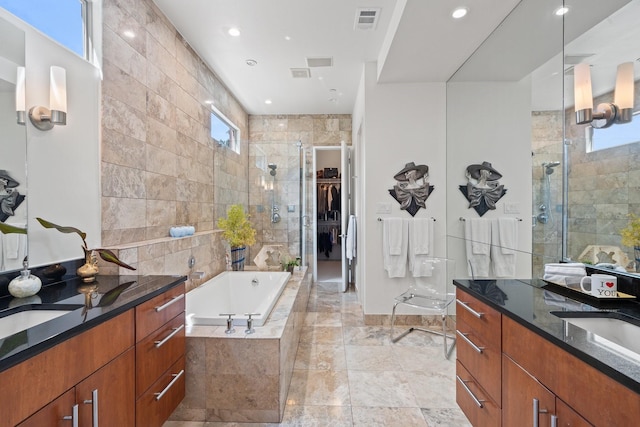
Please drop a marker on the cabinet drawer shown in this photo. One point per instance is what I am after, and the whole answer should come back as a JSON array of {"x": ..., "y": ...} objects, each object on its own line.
[
  {"x": 158, "y": 351},
  {"x": 481, "y": 358},
  {"x": 53, "y": 414},
  {"x": 155, "y": 406},
  {"x": 474, "y": 401},
  {"x": 479, "y": 316},
  {"x": 158, "y": 311}
]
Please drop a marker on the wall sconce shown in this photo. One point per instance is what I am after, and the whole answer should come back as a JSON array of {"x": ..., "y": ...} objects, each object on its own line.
[
  {"x": 44, "y": 118},
  {"x": 21, "y": 109},
  {"x": 620, "y": 111}
]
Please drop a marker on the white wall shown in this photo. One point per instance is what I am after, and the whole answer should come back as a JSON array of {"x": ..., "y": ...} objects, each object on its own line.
[
  {"x": 490, "y": 122},
  {"x": 63, "y": 163},
  {"x": 402, "y": 123}
]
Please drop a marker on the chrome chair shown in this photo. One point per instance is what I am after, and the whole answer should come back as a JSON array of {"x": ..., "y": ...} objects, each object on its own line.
[{"x": 431, "y": 294}]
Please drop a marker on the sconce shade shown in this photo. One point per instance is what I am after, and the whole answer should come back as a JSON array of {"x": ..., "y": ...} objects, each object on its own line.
[
  {"x": 58, "y": 95},
  {"x": 582, "y": 87},
  {"x": 21, "y": 102},
  {"x": 624, "y": 92}
]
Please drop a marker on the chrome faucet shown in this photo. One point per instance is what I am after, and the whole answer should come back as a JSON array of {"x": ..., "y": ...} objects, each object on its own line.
[
  {"x": 250, "y": 329},
  {"x": 229, "y": 329}
]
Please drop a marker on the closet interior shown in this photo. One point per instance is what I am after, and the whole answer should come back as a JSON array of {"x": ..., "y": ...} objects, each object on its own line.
[{"x": 328, "y": 216}]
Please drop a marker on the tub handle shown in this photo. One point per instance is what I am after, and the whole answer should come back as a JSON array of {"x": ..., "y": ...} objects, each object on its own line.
[
  {"x": 250, "y": 329},
  {"x": 167, "y": 304},
  {"x": 229, "y": 329},
  {"x": 168, "y": 337}
]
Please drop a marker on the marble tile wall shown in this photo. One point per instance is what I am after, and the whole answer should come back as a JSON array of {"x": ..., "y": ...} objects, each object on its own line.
[
  {"x": 273, "y": 139},
  {"x": 160, "y": 168}
]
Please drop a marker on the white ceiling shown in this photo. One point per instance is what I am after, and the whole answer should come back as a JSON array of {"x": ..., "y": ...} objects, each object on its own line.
[{"x": 414, "y": 41}]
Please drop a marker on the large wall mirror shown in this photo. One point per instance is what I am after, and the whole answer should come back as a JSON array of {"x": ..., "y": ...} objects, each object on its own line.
[
  {"x": 63, "y": 164},
  {"x": 511, "y": 104},
  {"x": 13, "y": 179}
]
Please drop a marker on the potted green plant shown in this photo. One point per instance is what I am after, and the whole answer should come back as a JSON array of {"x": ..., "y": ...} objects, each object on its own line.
[
  {"x": 239, "y": 233},
  {"x": 89, "y": 270},
  {"x": 290, "y": 264},
  {"x": 631, "y": 237}
]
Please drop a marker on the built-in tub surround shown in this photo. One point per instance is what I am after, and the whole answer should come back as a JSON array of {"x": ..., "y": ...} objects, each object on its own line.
[
  {"x": 245, "y": 377},
  {"x": 235, "y": 295}
]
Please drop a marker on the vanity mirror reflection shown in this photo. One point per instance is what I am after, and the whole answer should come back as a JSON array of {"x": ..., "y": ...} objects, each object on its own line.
[
  {"x": 13, "y": 179},
  {"x": 63, "y": 163},
  {"x": 511, "y": 103}
]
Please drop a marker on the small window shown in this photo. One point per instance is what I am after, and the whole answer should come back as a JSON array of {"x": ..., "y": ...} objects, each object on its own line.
[
  {"x": 613, "y": 136},
  {"x": 224, "y": 132},
  {"x": 65, "y": 21}
]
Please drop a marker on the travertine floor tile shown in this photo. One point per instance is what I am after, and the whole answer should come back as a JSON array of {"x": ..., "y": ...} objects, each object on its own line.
[
  {"x": 387, "y": 417},
  {"x": 381, "y": 389},
  {"x": 319, "y": 388},
  {"x": 370, "y": 358},
  {"x": 321, "y": 335},
  {"x": 321, "y": 357},
  {"x": 445, "y": 418},
  {"x": 317, "y": 416}
]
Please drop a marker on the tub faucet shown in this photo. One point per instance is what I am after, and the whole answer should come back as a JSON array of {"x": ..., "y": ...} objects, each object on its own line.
[
  {"x": 229, "y": 329},
  {"x": 250, "y": 329}
]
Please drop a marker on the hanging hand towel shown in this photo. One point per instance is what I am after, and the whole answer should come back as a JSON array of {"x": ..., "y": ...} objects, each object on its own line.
[
  {"x": 504, "y": 264},
  {"x": 351, "y": 238},
  {"x": 477, "y": 263},
  {"x": 508, "y": 234},
  {"x": 420, "y": 244},
  {"x": 395, "y": 229},
  {"x": 480, "y": 235}
]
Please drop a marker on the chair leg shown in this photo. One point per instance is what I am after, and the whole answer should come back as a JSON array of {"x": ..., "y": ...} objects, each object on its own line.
[{"x": 447, "y": 348}]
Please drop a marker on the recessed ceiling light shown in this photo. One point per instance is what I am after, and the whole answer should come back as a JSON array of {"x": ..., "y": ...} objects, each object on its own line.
[
  {"x": 561, "y": 11},
  {"x": 459, "y": 12},
  {"x": 267, "y": 101},
  {"x": 251, "y": 62},
  {"x": 208, "y": 102},
  {"x": 234, "y": 32},
  {"x": 128, "y": 33},
  {"x": 287, "y": 38}
]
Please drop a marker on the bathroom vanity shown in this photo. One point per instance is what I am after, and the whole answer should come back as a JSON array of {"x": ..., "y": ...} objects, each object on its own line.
[
  {"x": 522, "y": 360},
  {"x": 115, "y": 356}
]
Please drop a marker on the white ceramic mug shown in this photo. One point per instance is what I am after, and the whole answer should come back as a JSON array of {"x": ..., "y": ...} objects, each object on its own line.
[{"x": 602, "y": 285}]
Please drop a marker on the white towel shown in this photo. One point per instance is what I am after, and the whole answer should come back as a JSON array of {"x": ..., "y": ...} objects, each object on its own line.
[
  {"x": 480, "y": 235},
  {"x": 508, "y": 235},
  {"x": 14, "y": 250},
  {"x": 477, "y": 263},
  {"x": 420, "y": 244},
  {"x": 396, "y": 229},
  {"x": 351, "y": 238},
  {"x": 504, "y": 264},
  {"x": 394, "y": 233},
  {"x": 567, "y": 274}
]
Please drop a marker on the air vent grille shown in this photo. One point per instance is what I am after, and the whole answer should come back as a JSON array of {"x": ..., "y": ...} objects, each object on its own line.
[
  {"x": 320, "y": 62},
  {"x": 300, "y": 73},
  {"x": 367, "y": 18}
]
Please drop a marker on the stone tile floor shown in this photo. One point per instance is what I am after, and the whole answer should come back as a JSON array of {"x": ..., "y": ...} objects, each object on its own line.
[{"x": 348, "y": 374}]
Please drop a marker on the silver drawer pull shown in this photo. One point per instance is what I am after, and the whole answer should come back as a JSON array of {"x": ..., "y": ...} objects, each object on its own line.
[
  {"x": 468, "y": 341},
  {"x": 554, "y": 421},
  {"x": 73, "y": 417},
  {"x": 473, "y": 396},
  {"x": 173, "y": 381},
  {"x": 168, "y": 337},
  {"x": 469, "y": 309},
  {"x": 94, "y": 407},
  {"x": 168, "y": 303}
]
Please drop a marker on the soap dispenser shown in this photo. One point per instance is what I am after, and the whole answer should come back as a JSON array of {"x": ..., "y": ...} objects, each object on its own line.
[{"x": 26, "y": 284}]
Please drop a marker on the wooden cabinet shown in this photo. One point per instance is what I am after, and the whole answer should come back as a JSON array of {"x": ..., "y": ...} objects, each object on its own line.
[
  {"x": 160, "y": 350},
  {"x": 58, "y": 413},
  {"x": 478, "y": 330},
  {"x": 567, "y": 417}
]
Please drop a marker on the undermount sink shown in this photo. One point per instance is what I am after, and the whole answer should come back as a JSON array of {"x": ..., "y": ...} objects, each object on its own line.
[
  {"x": 615, "y": 331},
  {"x": 25, "y": 317}
]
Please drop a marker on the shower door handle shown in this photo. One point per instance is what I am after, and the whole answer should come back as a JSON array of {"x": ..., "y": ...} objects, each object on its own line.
[{"x": 305, "y": 221}]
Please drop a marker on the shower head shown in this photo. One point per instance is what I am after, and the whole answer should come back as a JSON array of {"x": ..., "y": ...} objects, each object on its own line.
[
  {"x": 273, "y": 168},
  {"x": 549, "y": 167}
]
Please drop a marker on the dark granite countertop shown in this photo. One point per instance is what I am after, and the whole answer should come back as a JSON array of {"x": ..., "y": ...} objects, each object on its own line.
[
  {"x": 88, "y": 304},
  {"x": 539, "y": 306}
]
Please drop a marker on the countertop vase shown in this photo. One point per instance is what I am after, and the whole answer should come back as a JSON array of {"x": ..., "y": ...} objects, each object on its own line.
[
  {"x": 237, "y": 258},
  {"x": 89, "y": 270},
  {"x": 25, "y": 285}
]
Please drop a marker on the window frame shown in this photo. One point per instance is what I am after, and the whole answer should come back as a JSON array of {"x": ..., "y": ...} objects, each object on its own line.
[{"x": 234, "y": 143}]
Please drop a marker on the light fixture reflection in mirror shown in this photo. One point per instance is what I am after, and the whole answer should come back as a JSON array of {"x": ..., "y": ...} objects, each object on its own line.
[
  {"x": 44, "y": 118},
  {"x": 606, "y": 114}
]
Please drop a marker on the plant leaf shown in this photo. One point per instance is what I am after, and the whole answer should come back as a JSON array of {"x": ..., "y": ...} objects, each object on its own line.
[
  {"x": 109, "y": 256},
  {"x": 8, "y": 228},
  {"x": 62, "y": 229},
  {"x": 110, "y": 297}
]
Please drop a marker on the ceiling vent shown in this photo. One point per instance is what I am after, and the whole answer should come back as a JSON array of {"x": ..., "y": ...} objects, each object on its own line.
[
  {"x": 300, "y": 73},
  {"x": 367, "y": 18},
  {"x": 320, "y": 62},
  {"x": 576, "y": 59}
]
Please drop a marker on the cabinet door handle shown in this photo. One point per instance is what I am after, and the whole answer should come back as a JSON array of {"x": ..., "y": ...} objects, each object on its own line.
[
  {"x": 94, "y": 407},
  {"x": 468, "y": 390},
  {"x": 468, "y": 341},
  {"x": 469, "y": 309},
  {"x": 73, "y": 417},
  {"x": 168, "y": 303},
  {"x": 537, "y": 411},
  {"x": 173, "y": 381},
  {"x": 168, "y": 337},
  {"x": 554, "y": 421}
]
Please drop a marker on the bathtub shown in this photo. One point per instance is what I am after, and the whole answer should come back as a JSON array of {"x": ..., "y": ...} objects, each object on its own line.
[{"x": 237, "y": 292}]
